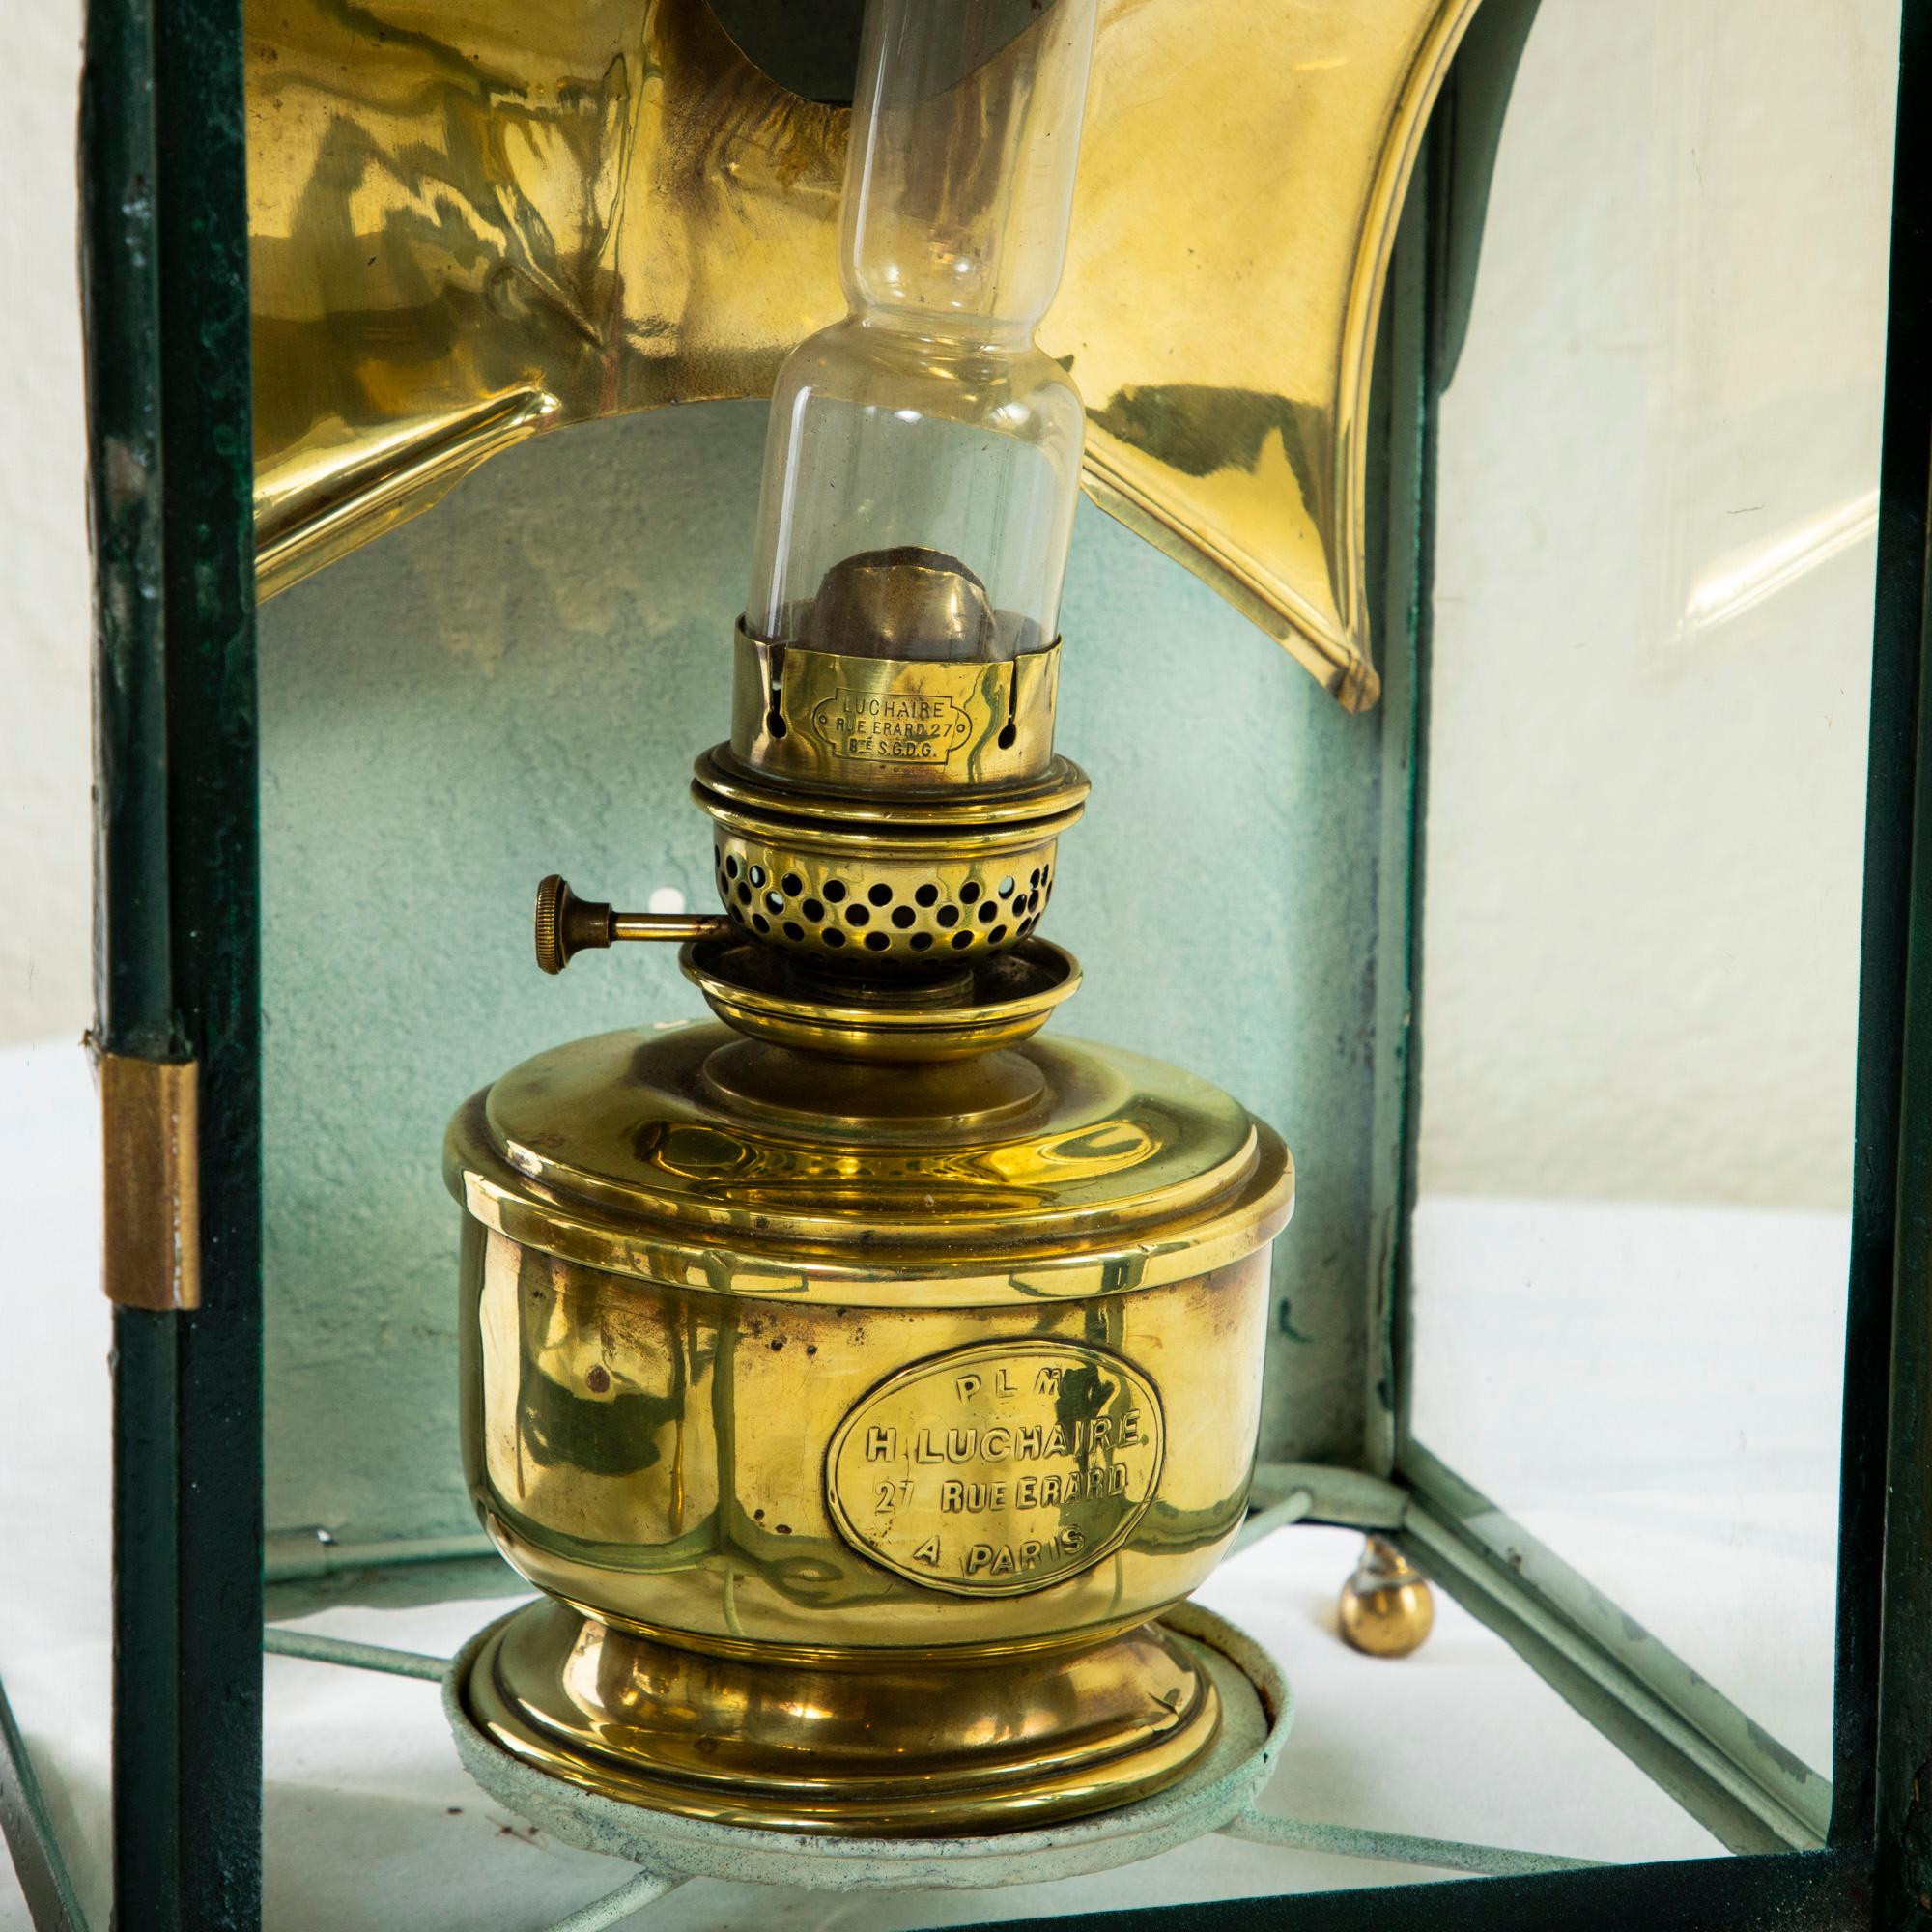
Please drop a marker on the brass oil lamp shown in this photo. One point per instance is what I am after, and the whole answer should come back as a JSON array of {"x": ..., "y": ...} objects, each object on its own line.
[{"x": 861, "y": 1376}]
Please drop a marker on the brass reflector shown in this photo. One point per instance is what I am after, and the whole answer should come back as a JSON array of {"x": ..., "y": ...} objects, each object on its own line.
[{"x": 474, "y": 220}]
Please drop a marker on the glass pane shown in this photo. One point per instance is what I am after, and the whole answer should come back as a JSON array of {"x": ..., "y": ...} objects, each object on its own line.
[
  {"x": 56, "y": 1636},
  {"x": 1645, "y": 811}
]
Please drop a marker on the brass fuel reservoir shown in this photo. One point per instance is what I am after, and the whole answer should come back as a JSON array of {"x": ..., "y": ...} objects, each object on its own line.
[{"x": 859, "y": 1444}]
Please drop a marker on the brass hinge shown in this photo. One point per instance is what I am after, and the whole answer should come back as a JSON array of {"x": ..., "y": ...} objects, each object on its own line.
[{"x": 151, "y": 1173}]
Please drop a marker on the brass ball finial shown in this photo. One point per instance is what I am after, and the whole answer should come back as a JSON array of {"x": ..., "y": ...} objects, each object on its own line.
[{"x": 1387, "y": 1609}]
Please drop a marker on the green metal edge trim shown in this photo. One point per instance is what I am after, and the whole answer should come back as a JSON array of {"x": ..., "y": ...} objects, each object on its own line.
[
  {"x": 1789, "y": 1891},
  {"x": 1329, "y": 1493},
  {"x": 164, "y": 278},
  {"x": 384, "y": 1659},
  {"x": 1892, "y": 1230},
  {"x": 1401, "y": 559},
  {"x": 292, "y": 1559},
  {"x": 1464, "y": 138},
  {"x": 31, "y": 1840},
  {"x": 1401, "y": 1848},
  {"x": 1731, "y": 1775},
  {"x": 120, "y": 307},
  {"x": 1490, "y": 55}
]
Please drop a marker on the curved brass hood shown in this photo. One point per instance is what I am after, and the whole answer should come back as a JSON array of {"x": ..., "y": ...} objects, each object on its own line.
[{"x": 474, "y": 220}]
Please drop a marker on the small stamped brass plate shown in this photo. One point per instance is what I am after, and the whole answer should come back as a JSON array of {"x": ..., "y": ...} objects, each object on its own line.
[
  {"x": 890, "y": 727},
  {"x": 998, "y": 1469}
]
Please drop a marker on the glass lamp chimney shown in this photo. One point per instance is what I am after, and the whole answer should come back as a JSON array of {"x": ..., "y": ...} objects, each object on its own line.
[{"x": 924, "y": 455}]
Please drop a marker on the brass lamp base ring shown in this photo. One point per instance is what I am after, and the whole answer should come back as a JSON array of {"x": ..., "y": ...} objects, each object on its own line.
[
  {"x": 1007, "y": 999},
  {"x": 865, "y": 1745},
  {"x": 926, "y": 1826}
]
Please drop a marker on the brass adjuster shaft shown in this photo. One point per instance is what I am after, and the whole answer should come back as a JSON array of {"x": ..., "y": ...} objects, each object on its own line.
[{"x": 567, "y": 926}]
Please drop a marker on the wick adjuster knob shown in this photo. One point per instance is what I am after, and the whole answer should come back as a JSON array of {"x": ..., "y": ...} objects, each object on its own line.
[{"x": 567, "y": 925}]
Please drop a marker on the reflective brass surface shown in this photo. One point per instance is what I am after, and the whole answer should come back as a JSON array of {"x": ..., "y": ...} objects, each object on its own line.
[
  {"x": 863, "y": 1415},
  {"x": 684, "y": 1157},
  {"x": 887, "y": 817},
  {"x": 1386, "y": 1608},
  {"x": 835, "y": 719},
  {"x": 802, "y": 1747},
  {"x": 474, "y": 220},
  {"x": 1057, "y": 1443},
  {"x": 905, "y": 901},
  {"x": 855, "y": 896},
  {"x": 659, "y": 1456},
  {"x": 999, "y": 999},
  {"x": 1240, "y": 180},
  {"x": 1061, "y": 788}
]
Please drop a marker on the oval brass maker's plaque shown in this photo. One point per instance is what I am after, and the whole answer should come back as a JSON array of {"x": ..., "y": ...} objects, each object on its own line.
[{"x": 999, "y": 1468}]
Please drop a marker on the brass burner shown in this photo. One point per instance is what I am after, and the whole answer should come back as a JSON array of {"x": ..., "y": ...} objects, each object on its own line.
[
  {"x": 891, "y": 880},
  {"x": 859, "y": 1379}
]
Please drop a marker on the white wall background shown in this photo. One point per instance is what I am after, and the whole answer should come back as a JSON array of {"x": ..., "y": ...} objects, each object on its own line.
[
  {"x": 44, "y": 846},
  {"x": 1644, "y": 839}
]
